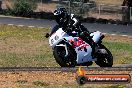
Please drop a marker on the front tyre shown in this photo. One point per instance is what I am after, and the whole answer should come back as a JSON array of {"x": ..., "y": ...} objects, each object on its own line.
[
  {"x": 59, "y": 55},
  {"x": 104, "y": 59}
]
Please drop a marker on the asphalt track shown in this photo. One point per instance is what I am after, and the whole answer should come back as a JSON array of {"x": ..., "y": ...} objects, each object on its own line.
[
  {"x": 64, "y": 69},
  {"x": 41, "y": 23}
]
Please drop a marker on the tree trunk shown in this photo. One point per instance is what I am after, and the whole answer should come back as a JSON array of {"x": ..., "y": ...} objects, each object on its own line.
[
  {"x": 85, "y": 1},
  {"x": 0, "y": 5},
  {"x": 126, "y": 11}
]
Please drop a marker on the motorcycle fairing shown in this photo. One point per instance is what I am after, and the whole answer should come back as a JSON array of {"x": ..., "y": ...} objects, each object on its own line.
[
  {"x": 56, "y": 37},
  {"x": 96, "y": 36},
  {"x": 82, "y": 48}
]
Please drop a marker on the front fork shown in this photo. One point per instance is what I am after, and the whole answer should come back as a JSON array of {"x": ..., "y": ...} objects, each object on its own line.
[{"x": 65, "y": 46}]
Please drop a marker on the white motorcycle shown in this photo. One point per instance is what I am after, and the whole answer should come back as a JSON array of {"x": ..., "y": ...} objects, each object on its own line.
[{"x": 71, "y": 51}]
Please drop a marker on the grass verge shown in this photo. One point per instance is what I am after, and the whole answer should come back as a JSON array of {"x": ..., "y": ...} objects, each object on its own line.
[{"x": 27, "y": 47}]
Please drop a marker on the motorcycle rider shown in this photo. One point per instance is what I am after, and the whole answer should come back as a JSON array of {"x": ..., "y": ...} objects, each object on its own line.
[{"x": 69, "y": 24}]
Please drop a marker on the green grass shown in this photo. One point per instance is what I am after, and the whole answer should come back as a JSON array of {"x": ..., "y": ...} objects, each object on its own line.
[
  {"x": 122, "y": 52},
  {"x": 24, "y": 47},
  {"x": 27, "y": 47}
]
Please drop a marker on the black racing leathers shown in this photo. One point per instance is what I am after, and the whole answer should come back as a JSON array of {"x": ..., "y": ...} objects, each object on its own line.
[{"x": 70, "y": 25}]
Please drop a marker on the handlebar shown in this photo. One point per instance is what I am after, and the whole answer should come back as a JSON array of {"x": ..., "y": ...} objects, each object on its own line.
[{"x": 47, "y": 35}]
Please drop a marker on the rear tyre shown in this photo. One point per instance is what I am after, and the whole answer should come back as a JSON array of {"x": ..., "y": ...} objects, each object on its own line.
[
  {"x": 59, "y": 55},
  {"x": 104, "y": 60}
]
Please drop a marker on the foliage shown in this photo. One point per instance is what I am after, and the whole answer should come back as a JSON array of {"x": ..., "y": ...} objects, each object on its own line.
[
  {"x": 23, "y": 7},
  {"x": 79, "y": 7}
]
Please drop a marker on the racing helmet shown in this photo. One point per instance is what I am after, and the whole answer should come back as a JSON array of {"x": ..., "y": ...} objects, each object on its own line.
[{"x": 60, "y": 15}]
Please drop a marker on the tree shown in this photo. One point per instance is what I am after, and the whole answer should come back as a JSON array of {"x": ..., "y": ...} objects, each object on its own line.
[
  {"x": 85, "y": 1},
  {"x": 23, "y": 7},
  {"x": 0, "y": 4},
  {"x": 126, "y": 10}
]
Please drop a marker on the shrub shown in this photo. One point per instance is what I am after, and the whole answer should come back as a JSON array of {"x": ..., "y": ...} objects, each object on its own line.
[
  {"x": 23, "y": 7},
  {"x": 103, "y": 21},
  {"x": 42, "y": 15}
]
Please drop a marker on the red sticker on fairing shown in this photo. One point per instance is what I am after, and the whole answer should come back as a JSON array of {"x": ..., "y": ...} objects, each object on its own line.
[{"x": 78, "y": 43}]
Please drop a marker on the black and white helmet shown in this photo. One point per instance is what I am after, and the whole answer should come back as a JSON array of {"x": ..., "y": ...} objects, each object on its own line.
[{"x": 60, "y": 14}]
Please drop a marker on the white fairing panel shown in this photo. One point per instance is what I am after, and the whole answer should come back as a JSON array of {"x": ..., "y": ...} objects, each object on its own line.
[
  {"x": 82, "y": 48},
  {"x": 84, "y": 56},
  {"x": 56, "y": 37},
  {"x": 96, "y": 36}
]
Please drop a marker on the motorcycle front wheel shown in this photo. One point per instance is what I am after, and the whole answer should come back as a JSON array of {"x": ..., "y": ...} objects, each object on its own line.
[
  {"x": 59, "y": 55},
  {"x": 104, "y": 59}
]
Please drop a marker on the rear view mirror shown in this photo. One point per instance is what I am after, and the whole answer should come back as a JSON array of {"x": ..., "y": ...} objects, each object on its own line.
[{"x": 47, "y": 35}]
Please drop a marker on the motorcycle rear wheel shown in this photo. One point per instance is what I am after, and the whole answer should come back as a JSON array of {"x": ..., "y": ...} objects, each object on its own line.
[{"x": 104, "y": 60}]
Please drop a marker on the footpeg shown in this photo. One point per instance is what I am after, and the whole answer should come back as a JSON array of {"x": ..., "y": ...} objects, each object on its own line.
[{"x": 102, "y": 51}]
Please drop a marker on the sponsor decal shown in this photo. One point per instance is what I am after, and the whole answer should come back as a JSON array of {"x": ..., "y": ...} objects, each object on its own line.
[
  {"x": 78, "y": 42},
  {"x": 82, "y": 77}
]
